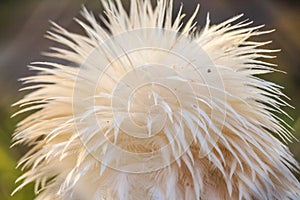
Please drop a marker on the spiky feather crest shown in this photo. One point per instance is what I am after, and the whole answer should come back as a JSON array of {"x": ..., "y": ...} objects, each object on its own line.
[{"x": 227, "y": 125}]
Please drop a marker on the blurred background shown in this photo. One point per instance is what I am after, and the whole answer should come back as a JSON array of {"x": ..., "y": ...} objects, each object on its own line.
[{"x": 24, "y": 22}]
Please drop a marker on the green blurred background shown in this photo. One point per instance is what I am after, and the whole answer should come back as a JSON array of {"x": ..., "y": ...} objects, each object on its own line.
[{"x": 24, "y": 22}]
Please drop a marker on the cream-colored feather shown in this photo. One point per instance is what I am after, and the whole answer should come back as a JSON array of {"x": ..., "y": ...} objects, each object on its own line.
[{"x": 150, "y": 108}]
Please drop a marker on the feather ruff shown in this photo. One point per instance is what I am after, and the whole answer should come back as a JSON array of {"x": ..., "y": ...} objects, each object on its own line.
[{"x": 218, "y": 125}]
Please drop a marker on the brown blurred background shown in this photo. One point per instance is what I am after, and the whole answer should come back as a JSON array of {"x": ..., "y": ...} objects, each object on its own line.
[{"x": 24, "y": 22}]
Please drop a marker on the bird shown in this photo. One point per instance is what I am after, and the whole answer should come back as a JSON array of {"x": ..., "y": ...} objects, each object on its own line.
[{"x": 145, "y": 106}]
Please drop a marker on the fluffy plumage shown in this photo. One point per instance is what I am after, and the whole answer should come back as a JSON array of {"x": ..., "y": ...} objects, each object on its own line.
[{"x": 193, "y": 91}]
